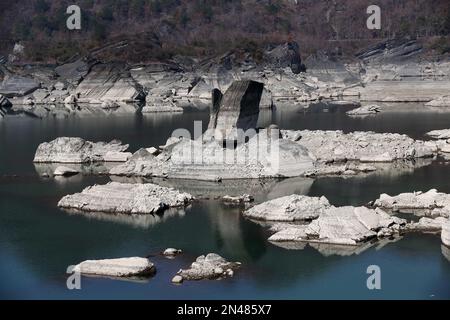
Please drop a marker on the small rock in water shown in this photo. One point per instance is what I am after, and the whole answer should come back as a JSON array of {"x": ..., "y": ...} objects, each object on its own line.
[
  {"x": 211, "y": 266},
  {"x": 65, "y": 171},
  {"x": 172, "y": 252},
  {"x": 177, "y": 279}
]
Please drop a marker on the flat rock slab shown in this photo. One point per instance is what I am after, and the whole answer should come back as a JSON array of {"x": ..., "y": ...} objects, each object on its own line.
[
  {"x": 211, "y": 266},
  {"x": 126, "y": 198},
  {"x": 431, "y": 203},
  {"x": 332, "y": 146},
  {"x": 77, "y": 150},
  {"x": 439, "y": 102},
  {"x": 123, "y": 267},
  {"x": 289, "y": 208}
]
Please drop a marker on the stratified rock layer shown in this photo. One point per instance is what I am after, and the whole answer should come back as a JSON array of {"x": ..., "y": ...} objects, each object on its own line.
[
  {"x": 125, "y": 198},
  {"x": 77, "y": 150}
]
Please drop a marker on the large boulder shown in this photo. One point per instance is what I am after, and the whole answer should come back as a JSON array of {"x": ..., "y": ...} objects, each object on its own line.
[
  {"x": 238, "y": 109},
  {"x": 126, "y": 198},
  {"x": 286, "y": 56},
  {"x": 77, "y": 150}
]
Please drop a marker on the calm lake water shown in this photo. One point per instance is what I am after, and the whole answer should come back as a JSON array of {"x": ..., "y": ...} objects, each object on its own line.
[{"x": 38, "y": 241}]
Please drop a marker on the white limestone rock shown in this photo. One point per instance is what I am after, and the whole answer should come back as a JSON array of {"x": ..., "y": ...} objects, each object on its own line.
[
  {"x": 426, "y": 224},
  {"x": 289, "y": 208},
  {"x": 76, "y": 150},
  {"x": 337, "y": 146},
  {"x": 126, "y": 198},
  {"x": 211, "y": 266},
  {"x": 123, "y": 267},
  {"x": 114, "y": 156},
  {"x": 170, "y": 252},
  {"x": 439, "y": 134},
  {"x": 343, "y": 226},
  {"x": 431, "y": 203}
]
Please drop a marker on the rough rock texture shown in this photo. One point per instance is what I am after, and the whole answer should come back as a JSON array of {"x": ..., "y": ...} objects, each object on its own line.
[
  {"x": 123, "y": 267},
  {"x": 4, "y": 102},
  {"x": 344, "y": 226},
  {"x": 427, "y": 225},
  {"x": 439, "y": 134},
  {"x": 77, "y": 150},
  {"x": 126, "y": 198},
  {"x": 18, "y": 86},
  {"x": 286, "y": 55},
  {"x": 445, "y": 235},
  {"x": 364, "y": 110},
  {"x": 439, "y": 102},
  {"x": 335, "y": 146},
  {"x": 289, "y": 208},
  {"x": 263, "y": 156},
  {"x": 431, "y": 203},
  {"x": 211, "y": 266},
  {"x": 108, "y": 82},
  {"x": 238, "y": 108}
]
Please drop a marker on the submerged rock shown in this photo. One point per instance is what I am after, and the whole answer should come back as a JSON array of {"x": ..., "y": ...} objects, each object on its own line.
[
  {"x": 77, "y": 150},
  {"x": 431, "y": 203},
  {"x": 126, "y": 198},
  {"x": 123, "y": 267},
  {"x": 65, "y": 171},
  {"x": 289, "y": 208},
  {"x": 211, "y": 266},
  {"x": 364, "y": 110}
]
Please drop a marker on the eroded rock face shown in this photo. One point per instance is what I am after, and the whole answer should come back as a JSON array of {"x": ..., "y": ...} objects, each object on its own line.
[
  {"x": 125, "y": 198},
  {"x": 77, "y": 150},
  {"x": 123, "y": 267},
  {"x": 335, "y": 146},
  {"x": 426, "y": 224},
  {"x": 18, "y": 86},
  {"x": 343, "y": 226},
  {"x": 211, "y": 266},
  {"x": 289, "y": 208},
  {"x": 263, "y": 156},
  {"x": 108, "y": 82},
  {"x": 443, "y": 101},
  {"x": 238, "y": 108},
  {"x": 445, "y": 235},
  {"x": 431, "y": 203}
]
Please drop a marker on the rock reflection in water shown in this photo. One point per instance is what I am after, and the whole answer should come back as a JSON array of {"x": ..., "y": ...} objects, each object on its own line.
[
  {"x": 98, "y": 168},
  {"x": 339, "y": 250},
  {"x": 141, "y": 221}
]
